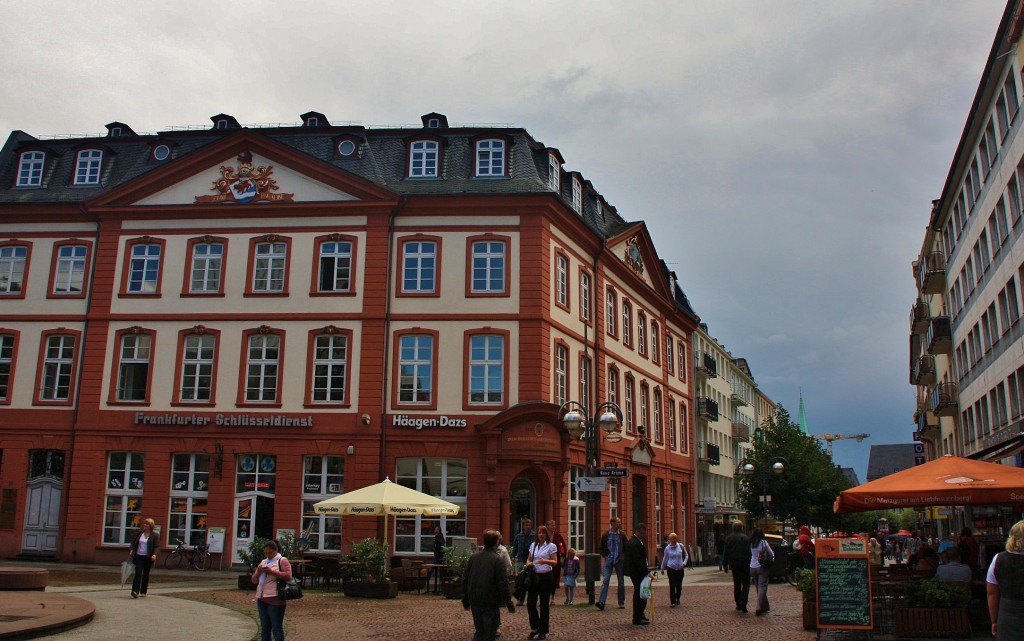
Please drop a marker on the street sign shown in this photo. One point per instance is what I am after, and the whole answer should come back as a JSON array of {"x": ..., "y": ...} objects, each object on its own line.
[
  {"x": 612, "y": 471},
  {"x": 591, "y": 484}
]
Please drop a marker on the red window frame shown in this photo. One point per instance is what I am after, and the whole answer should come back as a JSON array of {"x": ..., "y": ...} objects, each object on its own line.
[
  {"x": 250, "y": 270},
  {"x": 127, "y": 263},
  {"x": 395, "y": 371},
  {"x": 559, "y": 257},
  {"x": 186, "y": 280},
  {"x": 418, "y": 238},
  {"x": 44, "y": 337},
  {"x": 314, "y": 286},
  {"x": 179, "y": 366},
  {"x": 490, "y": 238},
  {"x": 243, "y": 367},
  {"x": 54, "y": 259},
  {"x": 115, "y": 365},
  {"x": 506, "y": 337},
  {"x": 6, "y": 400},
  {"x": 329, "y": 330},
  {"x": 24, "y": 275}
]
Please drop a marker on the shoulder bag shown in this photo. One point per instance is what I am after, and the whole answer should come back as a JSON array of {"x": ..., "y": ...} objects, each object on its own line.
[
  {"x": 764, "y": 556},
  {"x": 289, "y": 589}
]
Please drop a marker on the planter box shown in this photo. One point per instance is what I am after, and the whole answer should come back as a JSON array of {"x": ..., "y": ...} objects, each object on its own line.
[
  {"x": 367, "y": 590},
  {"x": 810, "y": 615},
  {"x": 932, "y": 622},
  {"x": 452, "y": 589}
]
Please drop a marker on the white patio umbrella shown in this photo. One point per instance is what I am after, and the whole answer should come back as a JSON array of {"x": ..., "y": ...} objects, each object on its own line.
[{"x": 386, "y": 499}]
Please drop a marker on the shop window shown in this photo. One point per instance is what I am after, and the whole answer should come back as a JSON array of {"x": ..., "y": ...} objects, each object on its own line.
[
  {"x": 190, "y": 489},
  {"x": 322, "y": 478},
  {"x": 444, "y": 478},
  {"x": 122, "y": 514}
]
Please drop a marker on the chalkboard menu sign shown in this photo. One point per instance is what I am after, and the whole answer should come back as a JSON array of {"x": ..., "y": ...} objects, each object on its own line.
[{"x": 844, "y": 584}]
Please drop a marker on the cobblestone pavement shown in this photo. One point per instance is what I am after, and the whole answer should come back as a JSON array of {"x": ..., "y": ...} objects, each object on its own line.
[{"x": 707, "y": 612}]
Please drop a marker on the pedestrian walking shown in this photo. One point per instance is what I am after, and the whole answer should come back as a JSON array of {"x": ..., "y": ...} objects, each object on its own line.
[
  {"x": 674, "y": 558},
  {"x": 636, "y": 568},
  {"x": 143, "y": 551},
  {"x": 543, "y": 557},
  {"x": 761, "y": 559},
  {"x": 737, "y": 555},
  {"x": 613, "y": 544},
  {"x": 485, "y": 588},
  {"x": 572, "y": 570}
]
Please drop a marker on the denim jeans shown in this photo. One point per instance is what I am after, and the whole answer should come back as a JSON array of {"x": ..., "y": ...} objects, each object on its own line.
[
  {"x": 271, "y": 620},
  {"x": 606, "y": 580}
]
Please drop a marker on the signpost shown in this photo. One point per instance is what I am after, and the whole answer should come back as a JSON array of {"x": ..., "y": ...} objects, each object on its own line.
[
  {"x": 612, "y": 472},
  {"x": 591, "y": 484},
  {"x": 844, "y": 585}
]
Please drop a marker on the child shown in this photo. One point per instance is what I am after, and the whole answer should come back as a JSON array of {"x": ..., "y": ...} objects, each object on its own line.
[{"x": 572, "y": 570}]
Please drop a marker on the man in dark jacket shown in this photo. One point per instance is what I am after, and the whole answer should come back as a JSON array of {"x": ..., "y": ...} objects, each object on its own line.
[
  {"x": 485, "y": 588},
  {"x": 737, "y": 555},
  {"x": 613, "y": 544},
  {"x": 636, "y": 568}
]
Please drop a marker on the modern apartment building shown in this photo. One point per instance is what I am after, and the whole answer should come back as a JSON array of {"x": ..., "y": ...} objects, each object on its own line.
[{"x": 966, "y": 359}]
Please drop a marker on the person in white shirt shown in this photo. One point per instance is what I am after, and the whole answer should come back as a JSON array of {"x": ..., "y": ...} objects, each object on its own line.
[
  {"x": 674, "y": 559},
  {"x": 543, "y": 557}
]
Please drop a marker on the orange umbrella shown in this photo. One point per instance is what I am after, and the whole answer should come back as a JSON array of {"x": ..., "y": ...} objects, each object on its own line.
[{"x": 949, "y": 480}]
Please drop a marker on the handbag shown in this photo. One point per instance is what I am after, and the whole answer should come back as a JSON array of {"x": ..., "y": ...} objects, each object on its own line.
[
  {"x": 764, "y": 556},
  {"x": 289, "y": 589}
]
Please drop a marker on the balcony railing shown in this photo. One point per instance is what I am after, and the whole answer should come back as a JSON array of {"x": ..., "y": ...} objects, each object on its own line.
[
  {"x": 707, "y": 409},
  {"x": 741, "y": 432},
  {"x": 939, "y": 336},
  {"x": 927, "y": 421},
  {"x": 931, "y": 273},
  {"x": 924, "y": 370},
  {"x": 920, "y": 314},
  {"x": 945, "y": 399},
  {"x": 738, "y": 400},
  {"x": 706, "y": 366},
  {"x": 709, "y": 454}
]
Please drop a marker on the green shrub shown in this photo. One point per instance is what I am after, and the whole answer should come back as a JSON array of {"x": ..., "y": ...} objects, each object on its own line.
[
  {"x": 253, "y": 554},
  {"x": 456, "y": 560},
  {"x": 933, "y": 593},
  {"x": 372, "y": 557},
  {"x": 807, "y": 582}
]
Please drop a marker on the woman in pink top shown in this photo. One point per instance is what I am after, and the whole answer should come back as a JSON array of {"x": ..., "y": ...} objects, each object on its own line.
[{"x": 269, "y": 605}]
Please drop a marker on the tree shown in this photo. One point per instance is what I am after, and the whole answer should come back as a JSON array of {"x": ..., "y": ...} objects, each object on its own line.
[{"x": 809, "y": 485}]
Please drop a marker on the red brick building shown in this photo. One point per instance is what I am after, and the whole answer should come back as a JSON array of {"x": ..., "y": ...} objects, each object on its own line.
[{"x": 217, "y": 328}]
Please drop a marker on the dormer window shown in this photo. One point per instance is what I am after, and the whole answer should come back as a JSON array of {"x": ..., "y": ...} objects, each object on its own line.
[
  {"x": 161, "y": 152},
  {"x": 87, "y": 168},
  {"x": 222, "y": 124},
  {"x": 433, "y": 123},
  {"x": 434, "y": 120},
  {"x": 115, "y": 132},
  {"x": 424, "y": 159},
  {"x": 490, "y": 158},
  {"x": 313, "y": 121},
  {"x": 554, "y": 173},
  {"x": 577, "y": 196},
  {"x": 30, "y": 170}
]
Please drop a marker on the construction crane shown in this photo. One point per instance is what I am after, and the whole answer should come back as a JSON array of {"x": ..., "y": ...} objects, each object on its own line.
[{"x": 828, "y": 438}]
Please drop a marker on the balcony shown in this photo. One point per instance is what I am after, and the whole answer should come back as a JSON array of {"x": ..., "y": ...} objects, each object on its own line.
[
  {"x": 945, "y": 399},
  {"x": 738, "y": 400},
  {"x": 924, "y": 370},
  {"x": 707, "y": 408},
  {"x": 931, "y": 273},
  {"x": 920, "y": 314},
  {"x": 939, "y": 336},
  {"x": 708, "y": 455},
  {"x": 741, "y": 432},
  {"x": 927, "y": 423},
  {"x": 705, "y": 366}
]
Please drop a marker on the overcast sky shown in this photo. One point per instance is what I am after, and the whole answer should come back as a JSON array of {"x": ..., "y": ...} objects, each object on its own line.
[{"x": 783, "y": 154}]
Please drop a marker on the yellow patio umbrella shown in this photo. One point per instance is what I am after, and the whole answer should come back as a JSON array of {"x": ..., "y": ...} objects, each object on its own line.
[{"x": 385, "y": 499}]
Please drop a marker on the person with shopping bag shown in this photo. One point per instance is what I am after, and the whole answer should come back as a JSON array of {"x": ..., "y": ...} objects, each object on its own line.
[{"x": 636, "y": 567}]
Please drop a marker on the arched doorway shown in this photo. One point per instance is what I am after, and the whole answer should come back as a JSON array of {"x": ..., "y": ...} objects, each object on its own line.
[{"x": 522, "y": 504}]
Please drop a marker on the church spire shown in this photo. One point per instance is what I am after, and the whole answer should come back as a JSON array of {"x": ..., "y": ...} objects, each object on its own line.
[{"x": 801, "y": 415}]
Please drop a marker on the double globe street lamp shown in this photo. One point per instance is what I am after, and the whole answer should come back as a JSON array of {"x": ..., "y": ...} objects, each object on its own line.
[
  {"x": 579, "y": 423},
  {"x": 750, "y": 469}
]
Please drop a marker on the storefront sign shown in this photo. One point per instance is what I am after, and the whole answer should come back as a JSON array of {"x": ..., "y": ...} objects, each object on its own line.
[
  {"x": 226, "y": 420},
  {"x": 421, "y": 422}
]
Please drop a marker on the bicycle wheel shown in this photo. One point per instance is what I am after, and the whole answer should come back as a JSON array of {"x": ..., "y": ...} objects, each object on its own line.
[
  {"x": 174, "y": 560},
  {"x": 202, "y": 560}
]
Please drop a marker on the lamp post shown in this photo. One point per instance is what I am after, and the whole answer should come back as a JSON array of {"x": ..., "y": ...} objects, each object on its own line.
[
  {"x": 750, "y": 469},
  {"x": 579, "y": 423}
]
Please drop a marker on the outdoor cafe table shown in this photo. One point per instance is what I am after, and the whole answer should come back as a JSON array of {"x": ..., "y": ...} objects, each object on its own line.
[{"x": 439, "y": 567}]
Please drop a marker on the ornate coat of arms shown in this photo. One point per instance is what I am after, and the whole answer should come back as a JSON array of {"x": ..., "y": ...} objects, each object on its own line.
[
  {"x": 632, "y": 255},
  {"x": 245, "y": 184}
]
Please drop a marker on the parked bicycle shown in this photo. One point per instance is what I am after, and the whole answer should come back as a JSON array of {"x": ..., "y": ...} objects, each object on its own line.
[{"x": 197, "y": 557}]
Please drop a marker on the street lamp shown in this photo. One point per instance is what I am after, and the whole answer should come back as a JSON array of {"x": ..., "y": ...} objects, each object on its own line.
[
  {"x": 580, "y": 424},
  {"x": 777, "y": 467}
]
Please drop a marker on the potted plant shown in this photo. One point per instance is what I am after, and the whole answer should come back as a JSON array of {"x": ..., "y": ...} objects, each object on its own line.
[
  {"x": 251, "y": 556},
  {"x": 373, "y": 580},
  {"x": 456, "y": 560},
  {"x": 932, "y": 608},
  {"x": 807, "y": 584}
]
